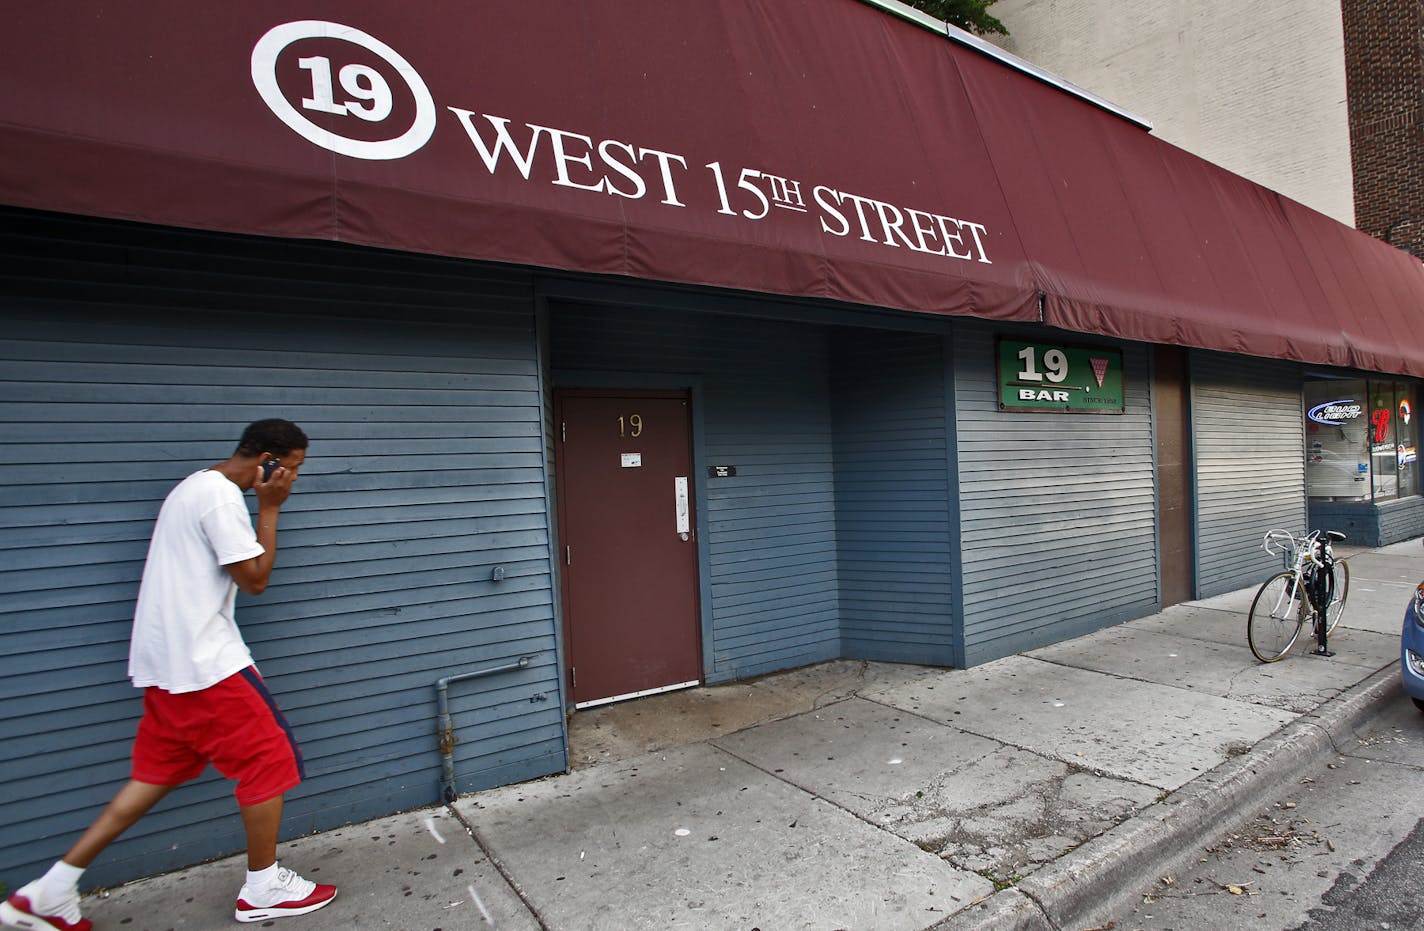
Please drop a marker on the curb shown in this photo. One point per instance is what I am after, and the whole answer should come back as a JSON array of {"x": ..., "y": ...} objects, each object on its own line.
[{"x": 1094, "y": 880}]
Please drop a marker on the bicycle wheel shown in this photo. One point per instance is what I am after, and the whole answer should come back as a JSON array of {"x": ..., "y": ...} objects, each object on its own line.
[
  {"x": 1277, "y": 613},
  {"x": 1337, "y": 602}
]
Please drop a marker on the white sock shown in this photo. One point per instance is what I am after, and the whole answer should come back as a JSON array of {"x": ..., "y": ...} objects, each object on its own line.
[
  {"x": 57, "y": 892},
  {"x": 261, "y": 879}
]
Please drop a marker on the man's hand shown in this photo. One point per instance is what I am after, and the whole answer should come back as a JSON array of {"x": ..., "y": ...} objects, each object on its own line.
[
  {"x": 274, "y": 491},
  {"x": 252, "y": 575}
]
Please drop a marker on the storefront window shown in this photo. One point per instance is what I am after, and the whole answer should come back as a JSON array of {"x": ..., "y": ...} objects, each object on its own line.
[
  {"x": 1361, "y": 440},
  {"x": 1383, "y": 466},
  {"x": 1406, "y": 434},
  {"x": 1337, "y": 461}
]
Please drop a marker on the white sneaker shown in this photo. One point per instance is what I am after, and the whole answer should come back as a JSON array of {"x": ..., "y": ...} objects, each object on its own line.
[
  {"x": 24, "y": 910},
  {"x": 288, "y": 895}
]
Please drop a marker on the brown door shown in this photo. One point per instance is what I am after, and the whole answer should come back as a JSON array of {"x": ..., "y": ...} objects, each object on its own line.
[
  {"x": 623, "y": 466},
  {"x": 1174, "y": 493}
]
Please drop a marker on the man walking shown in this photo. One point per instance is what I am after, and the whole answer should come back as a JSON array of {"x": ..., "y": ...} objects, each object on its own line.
[{"x": 204, "y": 701}]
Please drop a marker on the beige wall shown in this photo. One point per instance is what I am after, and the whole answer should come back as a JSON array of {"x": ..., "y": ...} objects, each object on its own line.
[{"x": 1257, "y": 87}]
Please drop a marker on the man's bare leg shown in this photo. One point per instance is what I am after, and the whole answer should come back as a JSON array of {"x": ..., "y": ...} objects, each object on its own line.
[
  {"x": 131, "y": 803},
  {"x": 271, "y": 892},
  {"x": 262, "y": 822}
]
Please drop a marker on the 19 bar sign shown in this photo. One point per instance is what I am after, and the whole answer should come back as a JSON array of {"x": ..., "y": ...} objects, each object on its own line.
[{"x": 1036, "y": 376}]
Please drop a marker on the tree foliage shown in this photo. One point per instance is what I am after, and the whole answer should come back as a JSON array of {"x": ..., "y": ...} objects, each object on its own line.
[{"x": 966, "y": 14}]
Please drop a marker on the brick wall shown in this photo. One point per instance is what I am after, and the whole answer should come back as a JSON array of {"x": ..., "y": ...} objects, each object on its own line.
[{"x": 1384, "y": 65}]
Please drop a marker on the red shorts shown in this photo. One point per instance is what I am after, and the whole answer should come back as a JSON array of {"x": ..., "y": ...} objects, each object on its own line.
[{"x": 235, "y": 725}]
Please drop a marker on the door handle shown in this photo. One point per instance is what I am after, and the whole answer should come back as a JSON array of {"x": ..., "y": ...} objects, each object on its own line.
[{"x": 680, "y": 502}]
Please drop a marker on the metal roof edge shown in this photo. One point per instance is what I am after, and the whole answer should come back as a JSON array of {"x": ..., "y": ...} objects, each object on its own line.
[{"x": 968, "y": 39}]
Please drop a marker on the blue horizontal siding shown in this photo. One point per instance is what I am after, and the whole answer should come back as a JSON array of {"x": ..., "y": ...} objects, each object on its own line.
[
  {"x": 132, "y": 356},
  {"x": 895, "y": 541}
]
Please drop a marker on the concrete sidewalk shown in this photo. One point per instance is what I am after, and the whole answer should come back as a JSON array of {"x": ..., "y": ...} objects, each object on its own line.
[{"x": 1038, "y": 791}]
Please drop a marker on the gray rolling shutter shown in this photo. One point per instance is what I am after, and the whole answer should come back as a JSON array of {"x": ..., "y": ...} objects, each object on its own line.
[
  {"x": 1248, "y": 444},
  {"x": 1058, "y": 511}
]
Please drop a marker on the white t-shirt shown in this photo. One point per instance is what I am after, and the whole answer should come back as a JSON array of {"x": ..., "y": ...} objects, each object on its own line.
[{"x": 184, "y": 635}]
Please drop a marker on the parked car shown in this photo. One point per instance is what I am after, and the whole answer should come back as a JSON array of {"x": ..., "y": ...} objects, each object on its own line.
[{"x": 1411, "y": 650}]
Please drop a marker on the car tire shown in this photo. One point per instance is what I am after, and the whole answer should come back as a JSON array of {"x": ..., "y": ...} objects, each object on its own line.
[{"x": 1418, "y": 702}]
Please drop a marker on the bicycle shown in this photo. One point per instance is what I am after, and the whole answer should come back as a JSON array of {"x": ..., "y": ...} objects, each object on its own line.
[{"x": 1313, "y": 587}]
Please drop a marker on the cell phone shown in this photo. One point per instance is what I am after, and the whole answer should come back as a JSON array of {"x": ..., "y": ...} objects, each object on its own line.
[{"x": 268, "y": 467}]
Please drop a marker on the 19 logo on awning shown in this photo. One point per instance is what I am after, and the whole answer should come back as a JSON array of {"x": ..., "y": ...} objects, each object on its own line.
[{"x": 349, "y": 97}]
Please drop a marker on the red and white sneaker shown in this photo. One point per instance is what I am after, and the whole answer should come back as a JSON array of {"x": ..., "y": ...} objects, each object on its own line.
[
  {"x": 18, "y": 911},
  {"x": 288, "y": 895}
]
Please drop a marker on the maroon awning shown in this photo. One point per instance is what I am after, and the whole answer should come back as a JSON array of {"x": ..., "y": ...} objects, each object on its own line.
[{"x": 803, "y": 147}]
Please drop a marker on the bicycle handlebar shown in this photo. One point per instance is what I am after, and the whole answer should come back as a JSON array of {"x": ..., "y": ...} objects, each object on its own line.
[
  {"x": 1313, "y": 545},
  {"x": 1283, "y": 541},
  {"x": 1279, "y": 541}
]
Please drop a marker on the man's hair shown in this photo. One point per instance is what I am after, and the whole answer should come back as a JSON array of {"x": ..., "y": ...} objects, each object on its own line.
[{"x": 274, "y": 436}]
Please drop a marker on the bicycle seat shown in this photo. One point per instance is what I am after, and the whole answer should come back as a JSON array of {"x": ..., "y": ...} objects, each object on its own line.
[{"x": 1334, "y": 535}]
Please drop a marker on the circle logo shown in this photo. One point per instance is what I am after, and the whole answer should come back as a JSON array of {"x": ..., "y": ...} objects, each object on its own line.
[{"x": 347, "y": 95}]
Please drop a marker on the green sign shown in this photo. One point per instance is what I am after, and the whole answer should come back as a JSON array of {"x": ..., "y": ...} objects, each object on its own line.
[{"x": 1035, "y": 376}]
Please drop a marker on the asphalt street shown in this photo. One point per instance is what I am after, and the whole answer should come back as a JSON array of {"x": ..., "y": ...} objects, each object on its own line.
[
  {"x": 1341, "y": 849},
  {"x": 1390, "y": 897}
]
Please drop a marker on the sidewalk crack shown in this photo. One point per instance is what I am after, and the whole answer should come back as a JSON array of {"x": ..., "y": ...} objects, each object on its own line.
[{"x": 499, "y": 866}]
